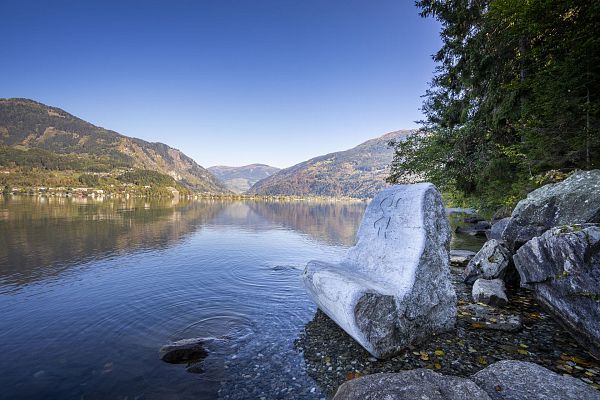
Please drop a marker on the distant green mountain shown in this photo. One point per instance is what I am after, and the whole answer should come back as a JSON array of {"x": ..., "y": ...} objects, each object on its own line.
[
  {"x": 240, "y": 179},
  {"x": 359, "y": 172},
  {"x": 66, "y": 140}
]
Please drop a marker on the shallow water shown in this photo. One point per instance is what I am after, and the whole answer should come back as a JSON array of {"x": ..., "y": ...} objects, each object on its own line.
[{"x": 90, "y": 290}]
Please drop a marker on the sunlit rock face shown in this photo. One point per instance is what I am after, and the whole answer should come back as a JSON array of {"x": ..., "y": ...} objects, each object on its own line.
[
  {"x": 393, "y": 288},
  {"x": 576, "y": 200}
]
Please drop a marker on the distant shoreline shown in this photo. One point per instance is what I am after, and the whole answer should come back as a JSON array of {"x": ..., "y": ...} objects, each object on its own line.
[{"x": 99, "y": 195}]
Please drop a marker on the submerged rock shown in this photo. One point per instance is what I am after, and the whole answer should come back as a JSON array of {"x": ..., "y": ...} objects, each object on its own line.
[
  {"x": 519, "y": 380},
  {"x": 393, "y": 288},
  {"x": 563, "y": 268},
  {"x": 409, "y": 385},
  {"x": 460, "y": 258},
  {"x": 576, "y": 200},
  {"x": 488, "y": 317},
  {"x": 491, "y": 262},
  {"x": 490, "y": 292},
  {"x": 195, "y": 368},
  {"x": 183, "y": 351}
]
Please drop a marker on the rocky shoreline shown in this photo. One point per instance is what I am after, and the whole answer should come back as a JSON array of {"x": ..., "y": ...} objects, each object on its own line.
[
  {"x": 333, "y": 357},
  {"x": 551, "y": 239},
  {"x": 524, "y": 307}
]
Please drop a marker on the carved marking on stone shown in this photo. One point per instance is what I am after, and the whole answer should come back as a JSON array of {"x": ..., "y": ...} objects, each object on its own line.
[
  {"x": 398, "y": 201},
  {"x": 386, "y": 211}
]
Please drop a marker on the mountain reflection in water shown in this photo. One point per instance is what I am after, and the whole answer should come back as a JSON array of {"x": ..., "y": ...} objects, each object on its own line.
[
  {"x": 40, "y": 237},
  {"x": 90, "y": 290}
]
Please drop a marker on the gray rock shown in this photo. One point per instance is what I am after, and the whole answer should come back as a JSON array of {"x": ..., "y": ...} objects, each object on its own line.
[
  {"x": 490, "y": 292},
  {"x": 503, "y": 380},
  {"x": 183, "y": 351},
  {"x": 497, "y": 228},
  {"x": 491, "y": 262},
  {"x": 563, "y": 268},
  {"x": 519, "y": 380},
  {"x": 502, "y": 212},
  {"x": 459, "y": 210},
  {"x": 393, "y": 288},
  {"x": 576, "y": 200},
  {"x": 460, "y": 258},
  {"x": 410, "y": 385},
  {"x": 195, "y": 368}
]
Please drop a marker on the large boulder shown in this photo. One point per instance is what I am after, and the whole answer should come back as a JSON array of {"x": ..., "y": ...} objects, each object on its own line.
[
  {"x": 491, "y": 262},
  {"x": 393, "y": 288},
  {"x": 563, "y": 268},
  {"x": 576, "y": 200},
  {"x": 490, "y": 292},
  {"x": 410, "y": 385},
  {"x": 519, "y": 380},
  {"x": 503, "y": 380}
]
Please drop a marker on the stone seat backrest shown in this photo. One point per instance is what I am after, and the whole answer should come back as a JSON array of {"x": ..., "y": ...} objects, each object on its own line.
[{"x": 391, "y": 237}]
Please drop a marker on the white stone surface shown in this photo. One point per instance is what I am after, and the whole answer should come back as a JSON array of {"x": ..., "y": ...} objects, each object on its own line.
[{"x": 393, "y": 288}]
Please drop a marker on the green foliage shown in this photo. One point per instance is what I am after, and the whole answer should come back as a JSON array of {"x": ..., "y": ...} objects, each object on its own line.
[
  {"x": 146, "y": 177},
  {"x": 33, "y": 178},
  {"x": 47, "y": 160},
  {"x": 89, "y": 180},
  {"x": 515, "y": 95}
]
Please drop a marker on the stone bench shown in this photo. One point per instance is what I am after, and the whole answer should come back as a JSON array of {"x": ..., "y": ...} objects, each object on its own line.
[{"x": 393, "y": 288}]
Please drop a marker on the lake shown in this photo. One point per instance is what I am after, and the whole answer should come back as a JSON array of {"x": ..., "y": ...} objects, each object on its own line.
[{"x": 90, "y": 290}]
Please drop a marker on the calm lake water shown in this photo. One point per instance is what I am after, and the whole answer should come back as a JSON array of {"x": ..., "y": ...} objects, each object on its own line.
[{"x": 90, "y": 290}]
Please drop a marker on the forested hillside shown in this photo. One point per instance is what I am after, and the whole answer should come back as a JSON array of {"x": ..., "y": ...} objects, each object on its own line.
[
  {"x": 359, "y": 172},
  {"x": 33, "y": 135}
]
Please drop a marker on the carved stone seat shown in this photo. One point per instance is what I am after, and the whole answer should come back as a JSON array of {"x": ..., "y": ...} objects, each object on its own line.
[{"x": 393, "y": 288}]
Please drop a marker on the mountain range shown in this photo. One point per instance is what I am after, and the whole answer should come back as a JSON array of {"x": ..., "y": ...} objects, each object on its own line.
[
  {"x": 26, "y": 124},
  {"x": 240, "y": 179},
  {"x": 359, "y": 172},
  {"x": 45, "y": 138}
]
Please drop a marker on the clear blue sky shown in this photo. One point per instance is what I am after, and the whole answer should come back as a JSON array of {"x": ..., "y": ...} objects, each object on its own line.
[{"x": 227, "y": 82}]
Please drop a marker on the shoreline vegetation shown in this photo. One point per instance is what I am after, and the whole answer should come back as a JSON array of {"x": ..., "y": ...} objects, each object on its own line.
[{"x": 513, "y": 101}]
